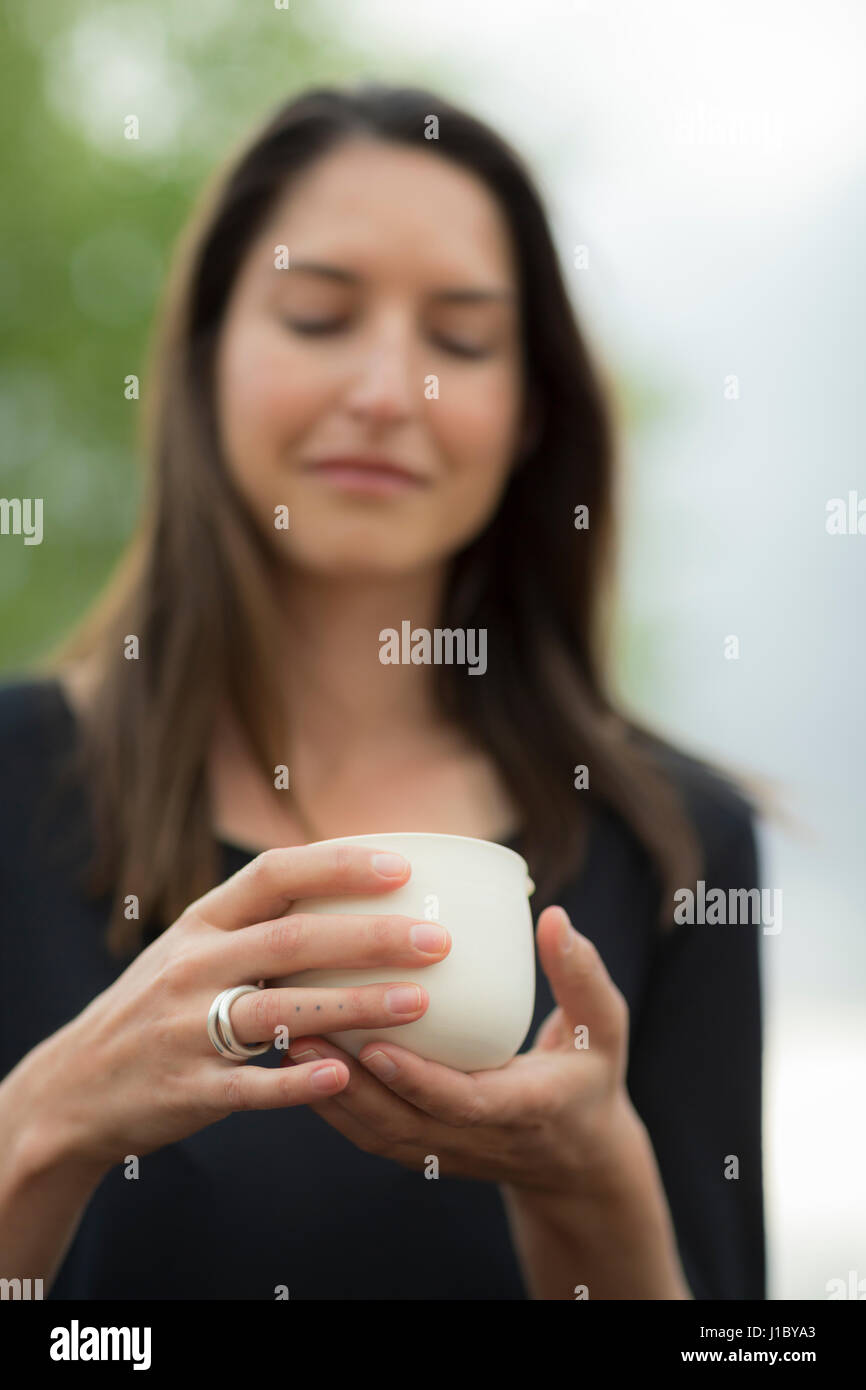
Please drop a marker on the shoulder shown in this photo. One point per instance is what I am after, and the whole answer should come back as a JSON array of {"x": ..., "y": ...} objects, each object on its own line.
[
  {"x": 36, "y": 728},
  {"x": 722, "y": 808},
  {"x": 40, "y": 788},
  {"x": 717, "y": 801},
  {"x": 30, "y": 706}
]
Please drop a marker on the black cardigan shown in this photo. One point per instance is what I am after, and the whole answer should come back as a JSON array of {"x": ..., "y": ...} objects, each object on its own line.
[{"x": 278, "y": 1197}]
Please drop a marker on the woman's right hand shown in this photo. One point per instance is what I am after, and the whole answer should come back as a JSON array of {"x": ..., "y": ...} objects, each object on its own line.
[{"x": 136, "y": 1070}]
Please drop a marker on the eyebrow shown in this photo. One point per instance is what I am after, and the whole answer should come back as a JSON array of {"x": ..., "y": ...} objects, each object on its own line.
[{"x": 456, "y": 295}]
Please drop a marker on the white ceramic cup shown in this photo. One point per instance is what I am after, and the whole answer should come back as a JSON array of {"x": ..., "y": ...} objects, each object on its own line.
[{"x": 482, "y": 995}]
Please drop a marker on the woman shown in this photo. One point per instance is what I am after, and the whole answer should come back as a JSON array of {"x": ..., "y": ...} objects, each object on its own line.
[{"x": 369, "y": 404}]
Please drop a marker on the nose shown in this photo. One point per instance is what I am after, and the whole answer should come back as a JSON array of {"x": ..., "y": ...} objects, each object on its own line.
[{"x": 384, "y": 388}]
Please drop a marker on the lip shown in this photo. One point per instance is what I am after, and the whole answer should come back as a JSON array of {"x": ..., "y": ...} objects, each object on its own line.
[{"x": 372, "y": 476}]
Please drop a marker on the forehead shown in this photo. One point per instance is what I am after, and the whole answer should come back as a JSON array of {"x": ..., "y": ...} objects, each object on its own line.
[{"x": 370, "y": 204}]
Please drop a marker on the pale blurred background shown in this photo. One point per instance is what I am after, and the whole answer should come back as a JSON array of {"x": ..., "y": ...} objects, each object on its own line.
[{"x": 711, "y": 160}]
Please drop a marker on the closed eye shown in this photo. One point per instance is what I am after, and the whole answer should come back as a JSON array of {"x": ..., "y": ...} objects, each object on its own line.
[
  {"x": 469, "y": 350},
  {"x": 314, "y": 326},
  {"x": 321, "y": 327}
]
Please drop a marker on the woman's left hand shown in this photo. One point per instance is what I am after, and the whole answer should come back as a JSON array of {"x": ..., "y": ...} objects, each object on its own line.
[{"x": 551, "y": 1119}]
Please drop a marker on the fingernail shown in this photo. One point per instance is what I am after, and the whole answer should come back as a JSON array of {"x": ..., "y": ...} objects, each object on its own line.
[
  {"x": 428, "y": 938},
  {"x": 380, "y": 1064},
  {"x": 389, "y": 865},
  {"x": 406, "y": 999},
  {"x": 567, "y": 936},
  {"x": 325, "y": 1079},
  {"x": 310, "y": 1055}
]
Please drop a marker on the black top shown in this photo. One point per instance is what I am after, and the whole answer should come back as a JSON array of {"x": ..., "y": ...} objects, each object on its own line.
[{"x": 278, "y": 1197}]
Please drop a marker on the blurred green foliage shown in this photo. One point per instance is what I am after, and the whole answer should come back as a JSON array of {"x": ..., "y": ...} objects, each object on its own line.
[{"x": 87, "y": 226}]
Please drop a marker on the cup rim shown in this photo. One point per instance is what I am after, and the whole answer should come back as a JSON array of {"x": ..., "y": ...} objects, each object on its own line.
[{"x": 432, "y": 835}]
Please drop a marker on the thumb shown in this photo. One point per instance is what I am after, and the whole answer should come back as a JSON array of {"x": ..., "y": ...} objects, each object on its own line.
[{"x": 580, "y": 982}]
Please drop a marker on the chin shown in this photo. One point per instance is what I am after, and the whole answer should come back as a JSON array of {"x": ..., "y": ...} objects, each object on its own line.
[
  {"x": 355, "y": 563},
  {"x": 360, "y": 548}
]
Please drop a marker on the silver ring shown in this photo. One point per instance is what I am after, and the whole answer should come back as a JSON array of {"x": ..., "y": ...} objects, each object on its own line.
[{"x": 219, "y": 1025}]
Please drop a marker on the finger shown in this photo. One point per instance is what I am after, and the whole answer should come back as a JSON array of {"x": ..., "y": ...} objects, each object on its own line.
[
  {"x": 550, "y": 1034},
  {"x": 511, "y": 1094},
  {"x": 344, "y": 1122},
  {"x": 580, "y": 982},
  {"x": 239, "y": 1087},
  {"x": 310, "y": 941},
  {"x": 365, "y": 1101},
  {"x": 258, "y": 1017},
  {"x": 267, "y": 886},
  {"x": 520, "y": 1091}
]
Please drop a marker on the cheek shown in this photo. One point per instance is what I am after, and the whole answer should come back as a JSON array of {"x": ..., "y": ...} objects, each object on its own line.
[
  {"x": 268, "y": 394},
  {"x": 475, "y": 422}
]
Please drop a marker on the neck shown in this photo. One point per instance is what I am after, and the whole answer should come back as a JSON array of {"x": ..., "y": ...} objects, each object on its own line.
[{"x": 336, "y": 687}]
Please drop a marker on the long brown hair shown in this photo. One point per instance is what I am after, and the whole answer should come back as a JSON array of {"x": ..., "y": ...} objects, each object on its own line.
[{"x": 195, "y": 582}]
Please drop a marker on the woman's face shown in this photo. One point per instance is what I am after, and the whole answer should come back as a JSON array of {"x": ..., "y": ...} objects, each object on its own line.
[{"x": 393, "y": 335}]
